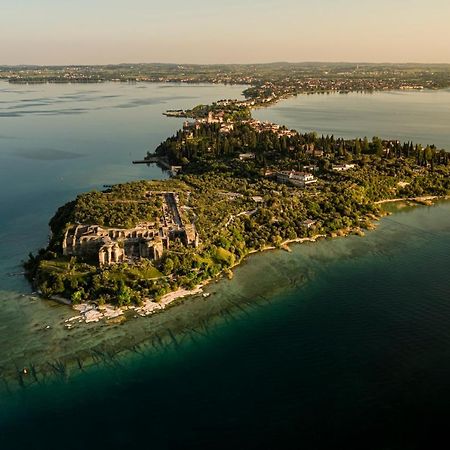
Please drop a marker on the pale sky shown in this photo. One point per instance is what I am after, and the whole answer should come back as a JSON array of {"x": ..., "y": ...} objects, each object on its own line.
[{"x": 229, "y": 31}]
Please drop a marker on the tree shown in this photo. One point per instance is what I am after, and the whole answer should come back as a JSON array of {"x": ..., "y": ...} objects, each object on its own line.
[
  {"x": 427, "y": 154},
  {"x": 358, "y": 147},
  {"x": 77, "y": 296},
  {"x": 125, "y": 295},
  {"x": 377, "y": 146},
  {"x": 168, "y": 266},
  {"x": 365, "y": 145}
]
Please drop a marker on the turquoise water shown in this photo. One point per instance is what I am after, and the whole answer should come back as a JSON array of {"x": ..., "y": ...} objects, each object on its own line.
[
  {"x": 340, "y": 344},
  {"x": 57, "y": 141}
]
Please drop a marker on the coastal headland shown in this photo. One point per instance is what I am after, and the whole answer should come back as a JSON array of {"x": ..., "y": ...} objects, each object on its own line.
[{"x": 238, "y": 186}]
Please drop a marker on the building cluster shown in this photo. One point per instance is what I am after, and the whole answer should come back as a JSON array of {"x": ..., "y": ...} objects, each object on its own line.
[
  {"x": 342, "y": 167},
  {"x": 299, "y": 179},
  {"x": 269, "y": 92},
  {"x": 226, "y": 126},
  {"x": 407, "y": 87},
  {"x": 261, "y": 127},
  {"x": 146, "y": 240},
  {"x": 312, "y": 150},
  {"x": 213, "y": 118},
  {"x": 116, "y": 245}
]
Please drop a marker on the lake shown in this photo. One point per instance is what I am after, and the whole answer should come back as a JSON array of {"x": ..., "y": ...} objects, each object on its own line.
[
  {"x": 340, "y": 344},
  {"x": 420, "y": 116}
]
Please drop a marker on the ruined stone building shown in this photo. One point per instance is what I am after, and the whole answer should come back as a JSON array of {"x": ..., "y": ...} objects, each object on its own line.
[
  {"x": 115, "y": 245},
  {"x": 146, "y": 240}
]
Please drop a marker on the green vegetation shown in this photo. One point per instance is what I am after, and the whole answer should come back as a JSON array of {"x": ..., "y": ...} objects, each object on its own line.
[
  {"x": 228, "y": 189},
  {"x": 122, "y": 206},
  {"x": 230, "y": 112}
]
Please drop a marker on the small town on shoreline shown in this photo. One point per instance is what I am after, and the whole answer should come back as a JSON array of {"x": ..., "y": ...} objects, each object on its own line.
[{"x": 265, "y": 81}]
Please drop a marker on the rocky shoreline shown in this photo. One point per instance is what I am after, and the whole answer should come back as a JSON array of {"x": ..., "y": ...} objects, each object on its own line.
[{"x": 91, "y": 312}]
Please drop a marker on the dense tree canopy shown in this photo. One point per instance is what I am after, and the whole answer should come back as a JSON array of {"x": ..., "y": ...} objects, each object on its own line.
[{"x": 237, "y": 205}]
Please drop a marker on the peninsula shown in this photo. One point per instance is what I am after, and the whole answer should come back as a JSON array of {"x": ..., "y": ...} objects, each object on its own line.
[{"x": 240, "y": 186}]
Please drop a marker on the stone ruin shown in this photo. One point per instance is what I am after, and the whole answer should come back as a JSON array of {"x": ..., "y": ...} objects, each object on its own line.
[
  {"x": 116, "y": 245},
  {"x": 146, "y": 240}
]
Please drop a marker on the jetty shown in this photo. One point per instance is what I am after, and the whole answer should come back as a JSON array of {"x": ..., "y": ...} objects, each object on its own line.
[
  {"x": 161, "y": 161},
  {"x": 148, "y": 160}
]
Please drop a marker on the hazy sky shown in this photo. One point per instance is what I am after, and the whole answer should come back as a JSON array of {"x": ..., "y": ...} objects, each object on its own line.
[{"x": 241, "y": 31}]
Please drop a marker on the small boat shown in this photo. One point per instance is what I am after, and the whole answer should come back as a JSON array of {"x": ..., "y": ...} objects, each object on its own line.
[{"x": 206, "y": 294}]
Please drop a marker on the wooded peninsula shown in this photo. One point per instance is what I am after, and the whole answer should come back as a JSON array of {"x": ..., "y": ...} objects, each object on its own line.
[{"x": 238, "y": 186}]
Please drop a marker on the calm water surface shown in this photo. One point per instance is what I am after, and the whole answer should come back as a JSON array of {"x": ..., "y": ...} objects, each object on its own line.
[
  {"x": 339, "y": 344},
  {"x": 420, "y": 116}
]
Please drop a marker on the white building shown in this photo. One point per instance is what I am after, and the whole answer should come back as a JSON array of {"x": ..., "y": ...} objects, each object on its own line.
[
  {"x": 300, "y": 179},
  {"x": 342, "y": 167},
  {"x": 246, "y": 156}
]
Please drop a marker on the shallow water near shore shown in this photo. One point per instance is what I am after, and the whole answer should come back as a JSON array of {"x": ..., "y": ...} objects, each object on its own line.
[
  {"x": 341, "y": 343},
  {"x": 334, "y": 342},
  {"x": 57, "y": 141}
]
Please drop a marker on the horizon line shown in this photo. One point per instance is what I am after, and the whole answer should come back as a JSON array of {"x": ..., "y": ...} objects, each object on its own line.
[{"x": 227, "y": 64}]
